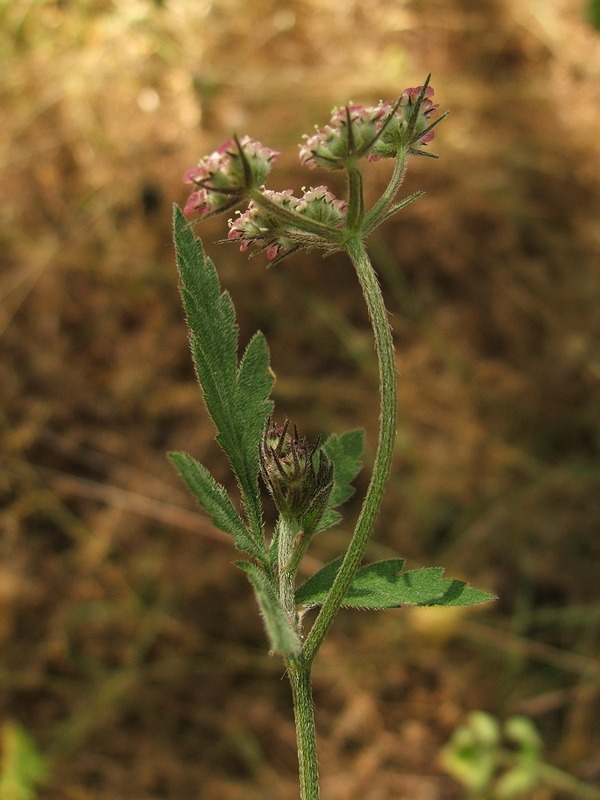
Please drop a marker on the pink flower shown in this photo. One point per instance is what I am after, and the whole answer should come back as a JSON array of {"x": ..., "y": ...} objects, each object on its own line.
[
  {"x": 349, "y": 136},
  {"x": 224, "y": 176},
  {"x": 322, "y": 205},
  {"x": 256, "y": 226},
  {"x": 372, "y": 132},
  {"x": 409, "y": 126},
  {"x": 261, "y": 226}
]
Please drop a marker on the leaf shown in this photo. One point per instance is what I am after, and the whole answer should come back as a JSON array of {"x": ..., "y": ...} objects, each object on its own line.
[
  {"x": 428, "y": 587},
  {"x": 314, "y": 590},
  {"x": 345, "y": 452},
  {"x": 593, "y": 13},
  {"x": 23, "y": 766},
  {"x": 236, "y": 394},
  {"x": 383, "y": 585},
  {"x": 213, "y": 498},
  {"x": 282, "y": 636}
]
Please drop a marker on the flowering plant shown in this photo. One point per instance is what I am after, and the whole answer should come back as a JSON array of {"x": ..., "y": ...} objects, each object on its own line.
[{"x": 307, "y": 482}]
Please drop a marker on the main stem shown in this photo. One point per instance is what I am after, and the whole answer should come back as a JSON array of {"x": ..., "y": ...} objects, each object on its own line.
[
  {"x": 299, "y": 673},
  {"x": 384, "y": 347},
  {"x": 299, "y": 668}
]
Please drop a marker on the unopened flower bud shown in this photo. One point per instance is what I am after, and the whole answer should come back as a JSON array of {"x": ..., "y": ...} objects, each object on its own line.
[{"x": 298, "y": 475}]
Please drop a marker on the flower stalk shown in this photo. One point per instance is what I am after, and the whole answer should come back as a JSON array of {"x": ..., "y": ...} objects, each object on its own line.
[{"x": 384, "y": 348}]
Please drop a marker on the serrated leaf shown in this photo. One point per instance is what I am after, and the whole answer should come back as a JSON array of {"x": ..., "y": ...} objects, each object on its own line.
[
  {"x": 236, "y": 394},
  {"x": 213, "y": 498},
  {"x": 314, "y": 590},
  {"x": 282, "y": 636},
  {"x": 345, "y": 451},
  {"x": 254, "y": 384},
  {"x": 383, "y": 585},
  {"x": 428, "y": 587}
]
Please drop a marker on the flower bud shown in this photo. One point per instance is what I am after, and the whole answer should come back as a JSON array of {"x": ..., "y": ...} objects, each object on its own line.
[
  {"x": 224, "y": 177},
  {"x": 299, "y": 476}
]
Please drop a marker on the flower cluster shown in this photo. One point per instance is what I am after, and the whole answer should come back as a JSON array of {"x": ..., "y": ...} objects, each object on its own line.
[
  {"x": 374, "y": 132},
  {"x": 350, "y": 134},
  {"x": 260, "y": 226},
  {"x": 223, "y": 177},
  {"x": 408, "y": 123},
  {"x": 279, "y": 223},
  {"x": 298, "y": 475}
]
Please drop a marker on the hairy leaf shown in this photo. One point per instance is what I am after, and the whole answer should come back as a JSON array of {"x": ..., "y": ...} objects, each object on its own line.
[
  {"x": 213, "y": 498},
  {"x": 282, "y": 636},
  {"x": 236, "y": 393},
  {"x": 383, "y": 585},
  {"x": 345, "y": 451}
]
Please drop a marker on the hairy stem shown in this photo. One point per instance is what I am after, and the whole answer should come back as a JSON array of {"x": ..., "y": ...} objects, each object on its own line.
[
  {"x": 288, "y": 531},
  {"x": 378, "y": 213},
  {"x": 383, "y": 459},
  {"x": 299, "y": 673}
]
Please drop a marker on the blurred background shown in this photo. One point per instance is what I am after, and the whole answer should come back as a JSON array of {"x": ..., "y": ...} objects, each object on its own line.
[{"x": 134, "y": 664}]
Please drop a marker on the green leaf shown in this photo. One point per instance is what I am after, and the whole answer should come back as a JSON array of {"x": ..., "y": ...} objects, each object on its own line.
[
  {"x": 213, "y": 498},
  {"x": 236, "y": 393},
  {"x": 23, "y": 767},
  {"x": 428, "y": 587},
  {"x": 345, "y": 451},
  {"x": 593, "y": 13},
  {"x": 383, "y": 585},
  {"x": 282, "y": 636},
  {"x": 314, "y": 590}
]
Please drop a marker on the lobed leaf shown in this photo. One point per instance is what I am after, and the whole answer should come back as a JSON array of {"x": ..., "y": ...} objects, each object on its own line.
[
  {"x": 345, "y": 451},
  {"x": 213, "y": 498},
  {"x": 383, "y": 585},
  {"x": 236, "y": 394}
]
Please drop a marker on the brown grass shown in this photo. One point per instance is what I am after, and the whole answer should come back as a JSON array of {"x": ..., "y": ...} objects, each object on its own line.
[{"x": 132, "y": 650}]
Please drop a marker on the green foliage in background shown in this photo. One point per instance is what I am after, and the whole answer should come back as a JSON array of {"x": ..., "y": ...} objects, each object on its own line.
[
  {"x": 593, "y": 14},
  {"x": 504, "y": 761},
  {"x": 22, "y": 766}
]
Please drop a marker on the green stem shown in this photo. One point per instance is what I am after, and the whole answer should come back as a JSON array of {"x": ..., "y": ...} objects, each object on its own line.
[
  {"x": 299, "y": 673},
  {"x": 385, "y": 446},
  {"x": 356, "y": 203},
  {"x": 288, "y": 530},
  {"x": 378, "y": 213}
]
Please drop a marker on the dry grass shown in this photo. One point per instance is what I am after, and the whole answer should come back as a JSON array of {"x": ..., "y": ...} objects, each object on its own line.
[{"x": 132, "y": 652}]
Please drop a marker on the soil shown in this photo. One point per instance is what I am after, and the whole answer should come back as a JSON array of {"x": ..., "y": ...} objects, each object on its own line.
[{"x": 133, "y": 654}]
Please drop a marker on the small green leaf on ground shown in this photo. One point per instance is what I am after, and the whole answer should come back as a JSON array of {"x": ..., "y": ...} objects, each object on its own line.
[{"x": 23, "y": 767}]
